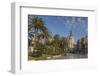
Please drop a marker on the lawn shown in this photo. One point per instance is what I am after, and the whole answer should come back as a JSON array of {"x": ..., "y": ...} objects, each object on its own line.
[{"x": 43, "y": 57}]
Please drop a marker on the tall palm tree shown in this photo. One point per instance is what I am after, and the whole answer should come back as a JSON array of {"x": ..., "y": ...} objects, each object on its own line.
[
  {"x": 37, "y": 23},
  {"x": 45, "y": 31}
]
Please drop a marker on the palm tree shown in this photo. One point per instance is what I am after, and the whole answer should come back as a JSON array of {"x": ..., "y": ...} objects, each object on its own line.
[
  {"x": 37, "y": 23},
  {"x": 45, "y": 31}
]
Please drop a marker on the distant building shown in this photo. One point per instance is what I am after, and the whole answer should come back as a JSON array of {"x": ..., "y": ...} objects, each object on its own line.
[
  {"x": 82, "y": 45},
  {"x": 70, "y": 42},
  {"x": 79, "y": 45},
  {"x": 42, "y": 39}
]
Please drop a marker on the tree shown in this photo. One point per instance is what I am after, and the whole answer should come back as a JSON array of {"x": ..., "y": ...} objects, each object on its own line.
[
  {"x": 63, "y": 44},
  {"x": 37, "y": 24},
  {"x": 45, "y": 33}
]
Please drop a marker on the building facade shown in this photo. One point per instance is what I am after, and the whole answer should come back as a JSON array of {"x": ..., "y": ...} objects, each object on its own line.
[
  {"x": 82, "y": 45},
  {"x": 70, "y": 42}
]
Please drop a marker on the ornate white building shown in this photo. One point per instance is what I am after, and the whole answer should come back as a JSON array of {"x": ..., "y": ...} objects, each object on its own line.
[{"x": 70, "y": 41}]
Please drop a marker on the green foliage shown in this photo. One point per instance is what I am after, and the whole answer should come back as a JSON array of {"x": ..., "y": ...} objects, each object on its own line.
[{"x": 50, "y": 48}]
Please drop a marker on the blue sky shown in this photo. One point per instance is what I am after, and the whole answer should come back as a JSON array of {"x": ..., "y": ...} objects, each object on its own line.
[{"x": 62, "y": 25}]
